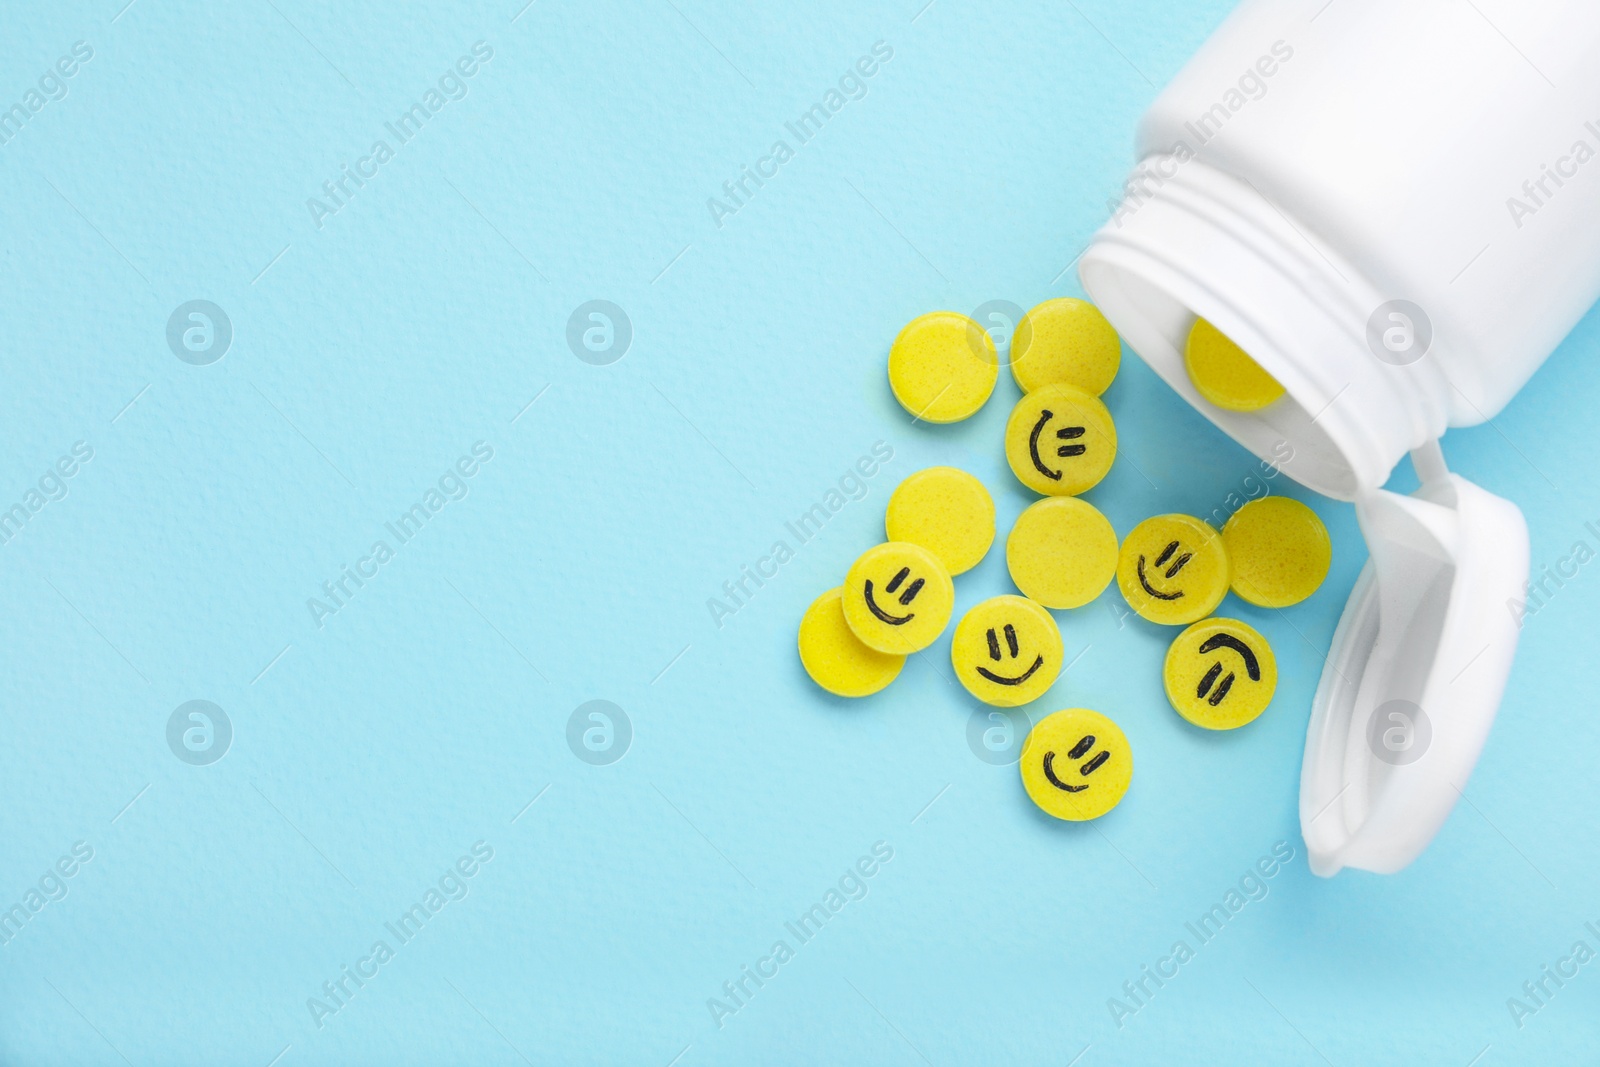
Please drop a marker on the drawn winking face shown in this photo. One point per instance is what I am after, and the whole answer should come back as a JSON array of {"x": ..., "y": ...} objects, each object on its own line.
[
  {"x": 906, "y": 597},
  {"x": 898, "y": 598},
  {"x": 1220, "y": 674},
  {"x": 1065, "y": 433},
  {"x": 1173, "y": 569},
  {"x": 1007, "y": 651},
  {"x": 1078, "y": 751},
  {"x": 1252, "y": 667},
  {"x": 1171, "y": 572},
  {"x": 1060, "y": 440},
  {"x": 1076, "y": 764}
]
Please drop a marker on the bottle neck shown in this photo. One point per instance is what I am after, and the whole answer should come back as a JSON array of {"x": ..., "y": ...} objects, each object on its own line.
[{"x": 1192, "y": 241}]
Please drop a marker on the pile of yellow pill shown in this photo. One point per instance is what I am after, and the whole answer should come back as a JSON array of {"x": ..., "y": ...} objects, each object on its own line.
[
  {"x": 898, "y": 596},
  {"x": 1060, "y": 441}
]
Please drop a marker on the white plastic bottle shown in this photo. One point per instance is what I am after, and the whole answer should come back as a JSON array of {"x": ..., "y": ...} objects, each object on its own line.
[{"x": 1394, "y": 207}]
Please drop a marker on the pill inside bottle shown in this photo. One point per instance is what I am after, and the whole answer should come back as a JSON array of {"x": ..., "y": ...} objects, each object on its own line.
[{"x": 1223, "y": 372}]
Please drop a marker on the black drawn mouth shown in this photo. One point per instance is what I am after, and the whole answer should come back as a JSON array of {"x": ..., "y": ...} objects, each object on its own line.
[
  {"x": 1172, "y": 571},
  {"x": 1066, "y": 433},
  {"x": 1078, "y": 750},
  {"x": 1018, "y": 680},
  {"x": 905, "y": 598}
]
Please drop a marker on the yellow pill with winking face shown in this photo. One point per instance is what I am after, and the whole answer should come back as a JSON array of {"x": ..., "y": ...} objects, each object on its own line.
[
  {"x": 1220, "y": 674},
  {"x": 942, "y": 367},
  {"x": 1173, "y": 569},
  {"x": 1060, "y": 441},
  {"x": 898, "y": 598}
]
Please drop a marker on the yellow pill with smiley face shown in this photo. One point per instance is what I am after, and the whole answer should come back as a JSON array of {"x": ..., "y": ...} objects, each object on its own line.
[
  {"x": 898, "y": 598},
  {"x": 1006, "y": 651},
  {"x": 1173, "y": 569},
  {"x": 835, "y": 657},
  {"x": 1060, "y": 441},
  {"x": 1224, "y": 373},
  {"x": 1062, "y": 552},
  {"x": 1220, "y": 674},
  {"x": 1279, "y": 551},
  {"x": 946, "y": 511},
  {"x": 942, "y": 367},
  {"x": 1065, "y": 340},
  {"x": 1076, "y": 764}
]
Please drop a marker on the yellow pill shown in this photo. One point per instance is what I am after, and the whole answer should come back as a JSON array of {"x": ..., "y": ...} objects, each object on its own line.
[
  {"x": 1006, "y": 651},
  {"x": 898, "y": 598},
  {"x": 943, "y": 367},
  {"x": 1065, "y": 341},
  {"x": 1220, "y": 674},
  {"x": 1224, "y": 374},
  {"x": 1062, "y": 552},
  {"x": 1173, "y": 569},
  {"x": 1076, "y": 764},
  {"x": 1279, "y": 551},
  {"x": 835, "y": 657},
  {"x": 946, "y": 511},
  {"x": 1060, "y": 441}
]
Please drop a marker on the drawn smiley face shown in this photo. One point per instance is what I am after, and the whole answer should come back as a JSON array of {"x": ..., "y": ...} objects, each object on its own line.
[
  {"x": 898, "y": 598},
  {"x": 1220, "y": 674},
  {"x": 1007, "y": 651},
  {"x": 1076, "y": 764},
  {"x": 1173, "y": 569},
  {"x": 1060, "y": 440}
]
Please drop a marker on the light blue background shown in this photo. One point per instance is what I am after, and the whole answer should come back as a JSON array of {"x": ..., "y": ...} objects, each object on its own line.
[{"x": 371, "y": 752}]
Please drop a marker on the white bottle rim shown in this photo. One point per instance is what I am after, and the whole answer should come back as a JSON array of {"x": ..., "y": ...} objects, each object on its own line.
[{"x": 1426, "y": 635}]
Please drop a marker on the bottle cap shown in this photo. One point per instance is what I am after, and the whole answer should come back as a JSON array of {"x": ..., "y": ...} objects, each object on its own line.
[{"x": 1415, "y": 672}]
